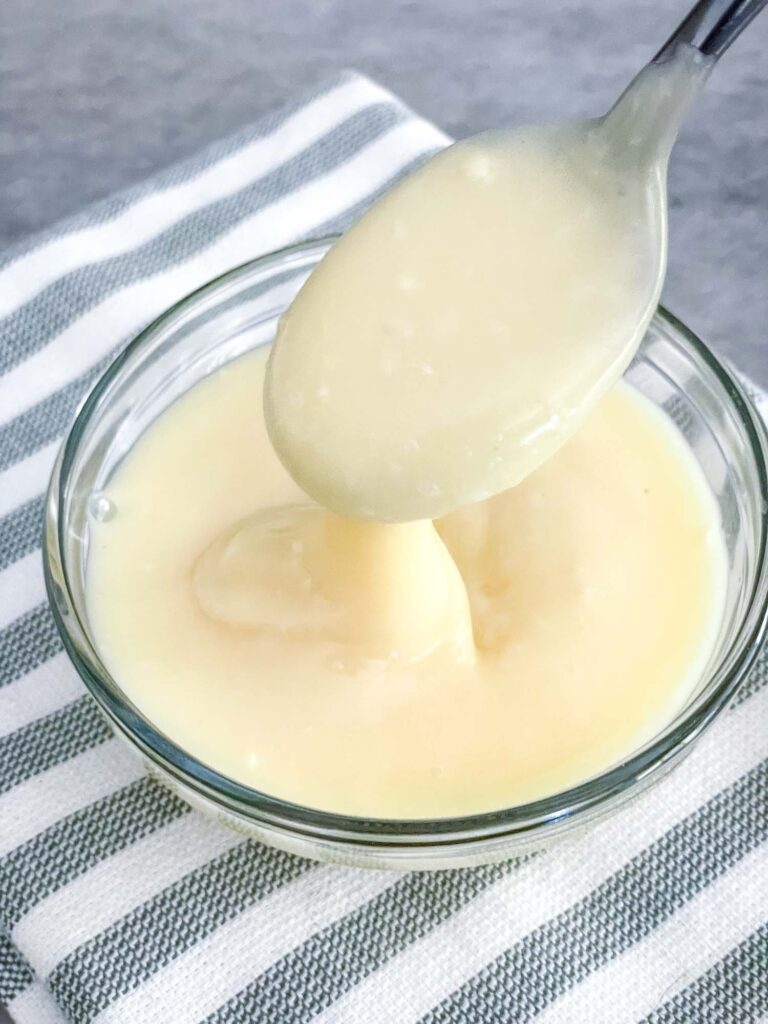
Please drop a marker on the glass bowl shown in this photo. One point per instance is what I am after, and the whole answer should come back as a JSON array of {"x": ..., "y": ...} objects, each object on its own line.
[{"x": 239, "y": 311}]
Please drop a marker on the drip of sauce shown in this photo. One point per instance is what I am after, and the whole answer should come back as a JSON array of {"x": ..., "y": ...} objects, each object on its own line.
[
  {"x": 300, "y": 571},
  {"x": 513, "y": 648},
  {"x": 319, "y": 638}
]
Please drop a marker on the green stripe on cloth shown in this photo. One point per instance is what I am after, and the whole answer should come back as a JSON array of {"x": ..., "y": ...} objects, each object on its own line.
[
  {"x": 20, "y": 531},
  {"x": 734, "y": 990},
  {"x": 15, "y": 972},
  {"x": 46, "y": 421},
  {"x": 121, "y": 958},
  {"x": 49, "y": 741},
  {"x": 74, "y": 844},
  {"x": 27, "y": 643},
  {"x": 326, "y": 966},
  {"x": 526, "y": 978}
]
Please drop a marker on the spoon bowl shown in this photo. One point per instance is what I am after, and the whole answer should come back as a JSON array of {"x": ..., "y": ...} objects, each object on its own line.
[{"x": 466, "y": 325}]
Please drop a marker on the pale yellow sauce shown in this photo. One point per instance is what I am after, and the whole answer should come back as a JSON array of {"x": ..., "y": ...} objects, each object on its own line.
[
  {"x": 445, "y": 350},
  {"x": 520, "y": 647},
  {"x": 458, "y": 334}
]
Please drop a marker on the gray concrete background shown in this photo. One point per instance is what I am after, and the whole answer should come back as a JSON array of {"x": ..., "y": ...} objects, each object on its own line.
[{"x": 97, "y": 94}]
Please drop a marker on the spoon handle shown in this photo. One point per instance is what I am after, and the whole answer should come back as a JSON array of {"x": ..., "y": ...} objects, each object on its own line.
[{"x": 711, "y": 26}]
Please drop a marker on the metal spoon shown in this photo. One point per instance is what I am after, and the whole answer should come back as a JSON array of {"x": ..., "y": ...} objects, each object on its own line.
[{"x": 374, "y": 444}]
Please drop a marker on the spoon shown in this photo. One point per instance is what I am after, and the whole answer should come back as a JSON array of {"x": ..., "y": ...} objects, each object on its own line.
[{"x": 461, "y": 331}]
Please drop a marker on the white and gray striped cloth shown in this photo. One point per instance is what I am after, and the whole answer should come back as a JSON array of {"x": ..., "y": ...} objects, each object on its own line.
[{"x": 119, "y": 904}]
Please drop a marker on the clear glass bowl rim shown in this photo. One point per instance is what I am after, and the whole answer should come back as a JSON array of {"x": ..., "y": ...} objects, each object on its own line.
[{"x": 259, "y": 807}]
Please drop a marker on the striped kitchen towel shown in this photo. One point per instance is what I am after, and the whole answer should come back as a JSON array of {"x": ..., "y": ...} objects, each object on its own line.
[{"x": 119, "y": 904}]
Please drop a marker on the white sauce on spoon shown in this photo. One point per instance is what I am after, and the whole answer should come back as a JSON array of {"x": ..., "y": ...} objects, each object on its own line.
[{"x": 463, "y": 328}]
